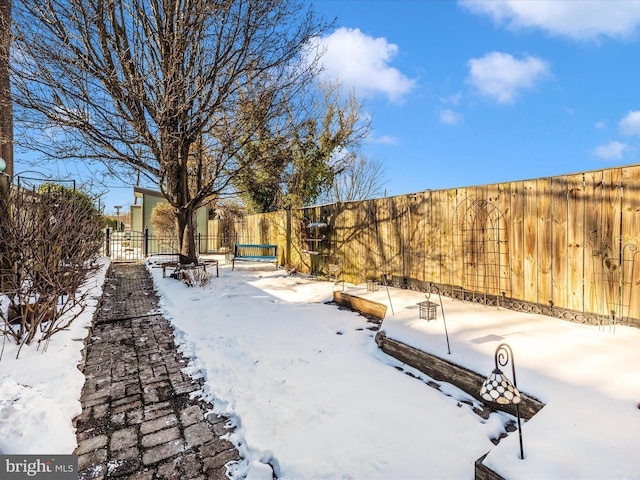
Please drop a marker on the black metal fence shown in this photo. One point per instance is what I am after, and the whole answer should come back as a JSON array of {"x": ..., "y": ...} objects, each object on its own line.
[{"x": 127, "y": 246}]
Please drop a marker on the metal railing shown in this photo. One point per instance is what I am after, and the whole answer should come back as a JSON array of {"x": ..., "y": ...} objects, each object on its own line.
[{"x": 127, "y": 246}]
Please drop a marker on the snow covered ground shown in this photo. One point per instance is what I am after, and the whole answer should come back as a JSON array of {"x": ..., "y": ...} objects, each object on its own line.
[
  {"x": 312, "y": 396},
  {"x": 311, "y": 393},
  {"x": 588, "y": 377}
]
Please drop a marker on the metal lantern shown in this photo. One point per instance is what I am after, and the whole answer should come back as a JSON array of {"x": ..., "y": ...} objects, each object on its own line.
[{"x": 428, "y": 310}]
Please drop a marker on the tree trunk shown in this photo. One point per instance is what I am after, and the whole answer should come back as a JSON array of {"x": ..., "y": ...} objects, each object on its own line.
[
  {"x": 187, "y": 233},
  {"x": 6, "y": 112}
]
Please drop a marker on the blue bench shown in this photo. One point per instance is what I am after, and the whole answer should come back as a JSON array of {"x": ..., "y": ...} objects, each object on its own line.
[{"x": 254, "y": 253}]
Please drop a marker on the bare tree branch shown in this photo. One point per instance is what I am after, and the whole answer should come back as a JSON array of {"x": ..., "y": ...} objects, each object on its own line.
[{"x": 360, "y": 179}]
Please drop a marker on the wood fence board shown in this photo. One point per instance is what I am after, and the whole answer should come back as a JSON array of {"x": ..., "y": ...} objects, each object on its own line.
[
  {"x": 280, "y": 237},
  {"x": 575, "y": 241},
  {"x": 355, "y": 252},
  {"x": 338, "y": 231},
  {"x": 544, "y": 241},
  {"x": 496, "y": 258},
  {"x": 297, "y": 219},
  {"x": 471, "y": 206},
  {"x": 377, "y": 234},
  {"x": 395, "y": 238},
  {"x": 480, "y": 206},
  {"x": 403, "y": 234},
  {"x": 610, "y": 245},
  {"x": 592, "y": 239},
  {"x": 462, "y": 263},
  {"x": 447, "y": 242},
  {"x": 424, "y": 207},
  {"x": 438, "y": 229},
  {"x": 345, "y": 250},
  {"x": 416, "y": 225},
  {"x": 431, "y": 245},
  {"x": 517, "y": 240},
  {"x": 612, "y": 180},
  {"x": 398, "y": 229},
  {"x": 351, "y": 261},
  {"x": 631, "y": 242},
  {"x": 504, "y": 202},
  {"x": 530, "y": 241},
  {"x": 373, "y": 254},
  {"x": 364, "y": 237},
  {"x": 559, "y": 250},
  {"x": 336, "y": 235},
  {"x": 384, "y": 233},
  {"x": 485, "y": 266}
]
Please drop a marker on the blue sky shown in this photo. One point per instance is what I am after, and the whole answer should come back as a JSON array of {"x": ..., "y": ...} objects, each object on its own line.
[{"x": 473, "y": 92}]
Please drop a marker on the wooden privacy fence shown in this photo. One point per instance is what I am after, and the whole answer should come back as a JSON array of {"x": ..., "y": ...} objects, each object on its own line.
[{"x": 565, "y": 245}]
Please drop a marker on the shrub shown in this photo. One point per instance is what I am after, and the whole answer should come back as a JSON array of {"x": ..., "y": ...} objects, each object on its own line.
[
  {"x": 194, "y": 277},
  {"x": 49, "y": 245}
]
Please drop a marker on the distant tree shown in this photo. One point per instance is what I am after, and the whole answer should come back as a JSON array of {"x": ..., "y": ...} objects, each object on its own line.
[
  {"x": 296, "y": 158},
  {"x": 159, "y": 86},
  {"x": 360, "y": 179},
  {"x": 111, "y": 221},
  {"x": 163, "y": 219},
  {"x": 78, "y": 198}
]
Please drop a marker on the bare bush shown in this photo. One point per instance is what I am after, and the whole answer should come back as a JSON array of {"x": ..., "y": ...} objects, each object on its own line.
[
  {"x": 195, "y": 277},
  {"x": 49, "y": 244}
]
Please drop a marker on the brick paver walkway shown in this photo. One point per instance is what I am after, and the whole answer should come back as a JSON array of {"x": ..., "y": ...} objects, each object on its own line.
[{"x": 137, "y": 419}]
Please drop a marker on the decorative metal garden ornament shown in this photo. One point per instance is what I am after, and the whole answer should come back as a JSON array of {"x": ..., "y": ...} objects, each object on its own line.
[{"x": 499, "y": 389}]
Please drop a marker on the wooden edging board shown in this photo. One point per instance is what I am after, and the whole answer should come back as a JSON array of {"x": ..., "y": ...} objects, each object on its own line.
[{"x": 369, "y": 307}]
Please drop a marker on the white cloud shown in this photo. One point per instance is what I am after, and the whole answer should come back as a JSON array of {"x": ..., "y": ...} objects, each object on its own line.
[
  {"x": 363, "y": 62},
  {"x": 630, "y": 124},
  {"x": 601, "y": 125},
  {"x": 611, "y": 151},
  {"x": 577, "y": 19},
  {"x": 502, "y": 77},
  {"x": 452, "y": 99},
  {"x": 449, "y": 117},
  {"x": 384, "y": 140}
]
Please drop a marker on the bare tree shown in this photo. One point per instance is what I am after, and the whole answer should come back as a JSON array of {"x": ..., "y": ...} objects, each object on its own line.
[
  {"x": 158, "y": 86},
  {"x": 360, "y": 179}
]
